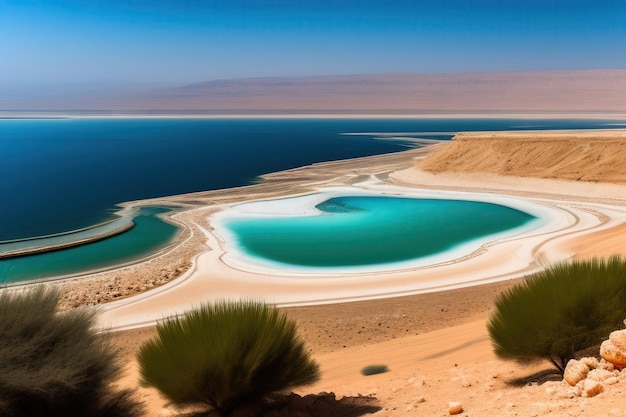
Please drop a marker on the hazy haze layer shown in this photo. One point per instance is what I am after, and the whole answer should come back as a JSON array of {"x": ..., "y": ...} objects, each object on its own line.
[{"x": 548, "y": 91}]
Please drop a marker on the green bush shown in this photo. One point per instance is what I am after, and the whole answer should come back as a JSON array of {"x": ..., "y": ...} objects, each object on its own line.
[
  {"x": 55, "y": 364},
  {"x": 374, "y": 369},
  {"x": 564, "y": 309},
  {"x": 226, "y": 355}
]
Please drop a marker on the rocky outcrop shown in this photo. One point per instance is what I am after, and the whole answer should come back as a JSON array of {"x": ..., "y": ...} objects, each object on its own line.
[
  {"x": 613, "y": 350},
  {"x": 590, "y": 376}
]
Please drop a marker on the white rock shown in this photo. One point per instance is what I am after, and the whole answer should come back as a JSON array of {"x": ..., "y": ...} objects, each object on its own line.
[
  {"x": 575, "y": 371},
  {"x": 591, "y": 388},
  {"x": 600, "y": 374},
  {"x": 455, "y": 408},
  {"x": 610, "y": 381}
]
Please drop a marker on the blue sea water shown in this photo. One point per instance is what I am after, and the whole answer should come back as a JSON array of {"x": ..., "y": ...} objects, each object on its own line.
[
  {"x": 371, "y": 230},
  {"x": 65, "y": 174},
  {"x": 58, "y": 175}
]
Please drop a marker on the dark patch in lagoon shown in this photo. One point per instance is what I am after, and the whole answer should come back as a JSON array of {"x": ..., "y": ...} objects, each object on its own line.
[{"x": 372, "y": 230}]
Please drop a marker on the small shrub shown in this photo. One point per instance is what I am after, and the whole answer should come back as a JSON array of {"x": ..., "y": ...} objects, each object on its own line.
[
  {"x": 557, "y": 312},
  {"x": 374, "y": 369},
  {"x": 226, "y": 355},
  {"x": 55, "y": 364}
]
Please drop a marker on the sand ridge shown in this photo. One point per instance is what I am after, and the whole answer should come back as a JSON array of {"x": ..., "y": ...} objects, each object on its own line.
[{"x": 568, "y": 155}]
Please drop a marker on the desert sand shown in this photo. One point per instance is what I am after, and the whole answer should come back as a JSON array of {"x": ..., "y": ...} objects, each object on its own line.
[{"x": 434, "y": 342}]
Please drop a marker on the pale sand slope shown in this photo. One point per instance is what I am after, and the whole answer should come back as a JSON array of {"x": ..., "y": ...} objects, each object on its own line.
[
  {"x": 447, "y": 328},
  {"x": 570, "y": 155}
]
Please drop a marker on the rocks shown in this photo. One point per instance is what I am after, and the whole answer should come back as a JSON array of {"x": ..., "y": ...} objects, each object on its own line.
[
  {"x": 455, "y": 408},
  {"x": 606, "y": 365},
  {"x": 591, "y": 388},
  {"x": 113, "y": 285},
  {"x": 588, "y": 377},
  {"x": 590, "y": 361},
  {"x": 600, "y": 375},
  {"x": 575, "y": 371},
  {"x": 613, "y": 350}
]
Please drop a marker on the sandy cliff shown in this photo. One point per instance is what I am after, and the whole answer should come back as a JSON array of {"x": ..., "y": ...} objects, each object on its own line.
[{"x": 569, "y": 155}]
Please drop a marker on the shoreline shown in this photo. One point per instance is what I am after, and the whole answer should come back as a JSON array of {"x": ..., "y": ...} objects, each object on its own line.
[
  {"x": 132, "y": 280},
  {"x": 214, "y": 276},
  {"x": 243, "y": 261},
  {"x": 126, "y": 223}
]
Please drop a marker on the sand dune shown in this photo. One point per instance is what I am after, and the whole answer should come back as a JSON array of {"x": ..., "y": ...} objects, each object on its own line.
[{"x": 567, "y": 155}]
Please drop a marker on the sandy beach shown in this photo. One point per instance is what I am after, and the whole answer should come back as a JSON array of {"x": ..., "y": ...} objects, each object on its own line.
[{"x": 434, "y": 341}]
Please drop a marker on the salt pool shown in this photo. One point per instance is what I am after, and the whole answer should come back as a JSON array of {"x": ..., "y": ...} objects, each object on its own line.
[{"x": 379, "y": 232}]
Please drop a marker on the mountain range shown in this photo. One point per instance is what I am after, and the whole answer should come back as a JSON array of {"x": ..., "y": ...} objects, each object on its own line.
[{"x": 531, "y": 91}]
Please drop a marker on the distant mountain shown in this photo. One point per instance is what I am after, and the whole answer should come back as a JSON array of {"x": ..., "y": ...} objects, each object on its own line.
[{"x": 546, "y": 91}]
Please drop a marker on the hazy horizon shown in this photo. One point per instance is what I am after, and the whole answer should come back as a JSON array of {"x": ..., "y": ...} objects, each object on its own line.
[
  {"x": 494, "y": 92},
  {"x": 84, "y": 44}
]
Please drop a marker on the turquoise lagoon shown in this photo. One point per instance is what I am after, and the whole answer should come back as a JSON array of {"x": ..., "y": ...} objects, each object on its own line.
[
  {"x": 371, "y": 230},
  {"x": 150, "y": 234}
]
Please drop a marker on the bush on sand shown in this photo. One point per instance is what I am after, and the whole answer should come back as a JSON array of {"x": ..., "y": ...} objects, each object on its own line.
[
  {"x": 560, "y": 311},
  {"x": 53, "y": 363},
  {"x": 226, "y": 355}
]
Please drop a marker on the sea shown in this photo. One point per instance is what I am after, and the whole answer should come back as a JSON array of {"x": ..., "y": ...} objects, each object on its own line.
[{"x": 60, "y": 175}]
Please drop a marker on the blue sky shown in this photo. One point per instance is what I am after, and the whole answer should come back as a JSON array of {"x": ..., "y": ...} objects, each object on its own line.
[{"x": 178, "y": 42}]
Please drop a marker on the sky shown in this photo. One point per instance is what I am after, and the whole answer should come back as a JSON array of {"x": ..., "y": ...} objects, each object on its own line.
[{"x": 95, "y": 42}]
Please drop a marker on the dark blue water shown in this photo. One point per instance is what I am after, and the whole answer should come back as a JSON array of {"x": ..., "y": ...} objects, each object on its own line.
[{"x": 59, "y": 175}]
